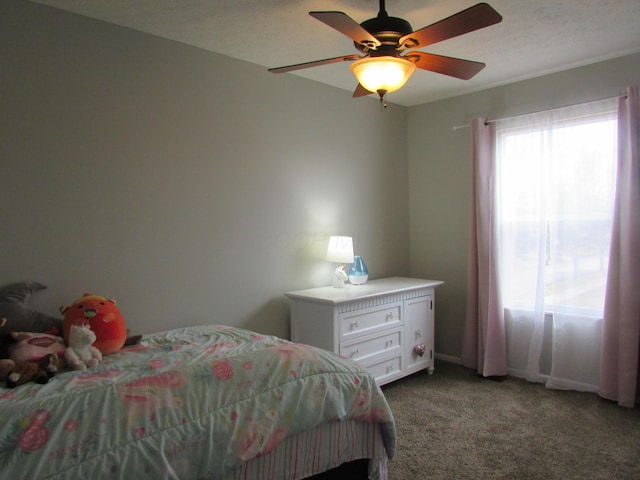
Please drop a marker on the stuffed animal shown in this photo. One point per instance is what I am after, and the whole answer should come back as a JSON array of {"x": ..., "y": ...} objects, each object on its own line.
[
  {"x": 19, "y": 317},
  {"x": 17, "y": 374},
  {"x": 81, "y": 354},
  {"x": 31, "y": 347},
  {"x": 34, "y": 357},
  {"x": 102, "y": 316},
  {"x": 6, "y": 367}
]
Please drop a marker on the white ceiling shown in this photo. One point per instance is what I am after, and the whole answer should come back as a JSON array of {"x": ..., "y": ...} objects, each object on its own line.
[{"x": 536, "y": 37}]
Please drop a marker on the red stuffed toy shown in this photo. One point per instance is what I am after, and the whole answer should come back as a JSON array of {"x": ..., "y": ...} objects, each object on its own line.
[{"x": 102, "y": 316}]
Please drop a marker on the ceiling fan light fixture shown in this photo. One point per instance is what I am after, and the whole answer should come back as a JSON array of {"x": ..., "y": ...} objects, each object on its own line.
[{"x": 383, "y": 73}]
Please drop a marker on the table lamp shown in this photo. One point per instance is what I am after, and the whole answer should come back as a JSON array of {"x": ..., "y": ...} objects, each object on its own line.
[{"x": 340, "y": 250}]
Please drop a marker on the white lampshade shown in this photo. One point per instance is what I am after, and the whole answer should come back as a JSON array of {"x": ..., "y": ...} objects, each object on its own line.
[
  {"x": 340, "y": 250},
  {"x": 386, "y": 74}
]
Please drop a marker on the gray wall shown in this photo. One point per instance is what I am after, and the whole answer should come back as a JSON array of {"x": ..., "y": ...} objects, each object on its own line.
[
  {"x": 195, "y": 188},
  {"x": 439, "y": 175},
  {"x": 191, "y": 187}
]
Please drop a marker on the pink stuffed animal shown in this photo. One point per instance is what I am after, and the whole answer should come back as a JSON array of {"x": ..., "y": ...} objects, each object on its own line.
[
  {"x": 31, "y": 347},
  {"x": 81, "y": 354}
]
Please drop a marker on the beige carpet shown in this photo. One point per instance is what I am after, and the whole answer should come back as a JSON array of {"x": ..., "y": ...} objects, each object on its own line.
[{"x": 458, "y": 425}]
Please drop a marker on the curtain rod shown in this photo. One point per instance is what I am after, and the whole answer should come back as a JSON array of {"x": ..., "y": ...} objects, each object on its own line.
[{"x": 493, "y": 120}]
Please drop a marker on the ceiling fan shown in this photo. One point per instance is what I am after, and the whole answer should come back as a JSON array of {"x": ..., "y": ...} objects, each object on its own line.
[{"x": 380, "y": 67}]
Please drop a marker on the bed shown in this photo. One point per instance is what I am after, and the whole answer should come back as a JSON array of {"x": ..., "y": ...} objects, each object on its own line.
[{"x": 205, "y": 402}]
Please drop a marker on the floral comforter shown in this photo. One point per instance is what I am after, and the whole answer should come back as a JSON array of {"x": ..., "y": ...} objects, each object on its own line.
[{"x": 188, "y": 403}]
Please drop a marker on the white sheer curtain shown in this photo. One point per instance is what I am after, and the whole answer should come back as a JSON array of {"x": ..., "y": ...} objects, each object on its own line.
[
  {"x": 556, "y": 178},
  {"x": 554, "y": 187}
]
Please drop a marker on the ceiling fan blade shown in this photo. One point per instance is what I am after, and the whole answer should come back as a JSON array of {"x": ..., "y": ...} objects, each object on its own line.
[
  {"x": 454, "y": 67},
  {"x": 347, "y": 26},
  {"x": 316, "y": 63},
  {"x": 360, "y": 91},
  {"x": 473, "y": 18}
]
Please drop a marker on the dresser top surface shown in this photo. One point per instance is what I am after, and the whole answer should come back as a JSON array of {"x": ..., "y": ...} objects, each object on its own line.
[{"x": 370, "y": 289}]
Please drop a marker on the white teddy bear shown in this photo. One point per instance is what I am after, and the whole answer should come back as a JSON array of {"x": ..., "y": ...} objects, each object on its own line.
[{"x": 81, "y": 354}]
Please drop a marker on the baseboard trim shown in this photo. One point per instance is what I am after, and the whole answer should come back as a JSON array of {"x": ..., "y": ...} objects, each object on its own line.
[{"x": 448, "y": 358}]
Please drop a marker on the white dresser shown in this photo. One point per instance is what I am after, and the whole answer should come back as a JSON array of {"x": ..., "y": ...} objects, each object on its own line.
[{"x": 377, "y": 324}]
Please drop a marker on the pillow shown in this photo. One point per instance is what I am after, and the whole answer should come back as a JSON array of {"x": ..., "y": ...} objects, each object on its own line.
[{"x": 20, "y": 318}]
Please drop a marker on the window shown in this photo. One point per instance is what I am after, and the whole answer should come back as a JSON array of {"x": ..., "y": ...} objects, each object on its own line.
[{"x": 554, "y": 202}]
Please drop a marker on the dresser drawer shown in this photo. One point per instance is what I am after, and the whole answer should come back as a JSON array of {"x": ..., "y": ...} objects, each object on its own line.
[
  {"x": 386, "y": 370},
  {"x": 360, "y": 349},
  {"x": 362, "y": 322}
]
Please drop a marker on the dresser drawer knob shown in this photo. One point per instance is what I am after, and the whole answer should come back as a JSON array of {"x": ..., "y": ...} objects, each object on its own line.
[
  {"x": 354, "y": 325},
  {"x": 355, "y": 352},
  {"x": 389, "y": 368},
  {"x": 389, "y": 343},
  {"x": 389, "y": 316}
]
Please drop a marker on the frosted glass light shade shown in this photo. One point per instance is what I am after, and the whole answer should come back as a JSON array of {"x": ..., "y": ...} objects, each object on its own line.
[
  {"x": 383, "y": 73},
  {"x": 340, "y": 250}
]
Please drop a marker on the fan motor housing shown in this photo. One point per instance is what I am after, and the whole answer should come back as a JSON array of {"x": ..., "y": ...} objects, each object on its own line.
[{"x": 388, "y": 30}]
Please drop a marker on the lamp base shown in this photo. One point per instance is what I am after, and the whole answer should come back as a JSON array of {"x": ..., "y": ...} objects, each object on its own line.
[{"x": 339, "y": 277}]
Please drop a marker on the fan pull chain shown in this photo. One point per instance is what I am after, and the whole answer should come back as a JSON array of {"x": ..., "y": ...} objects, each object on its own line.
[{"x": 383, "y": 101}]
